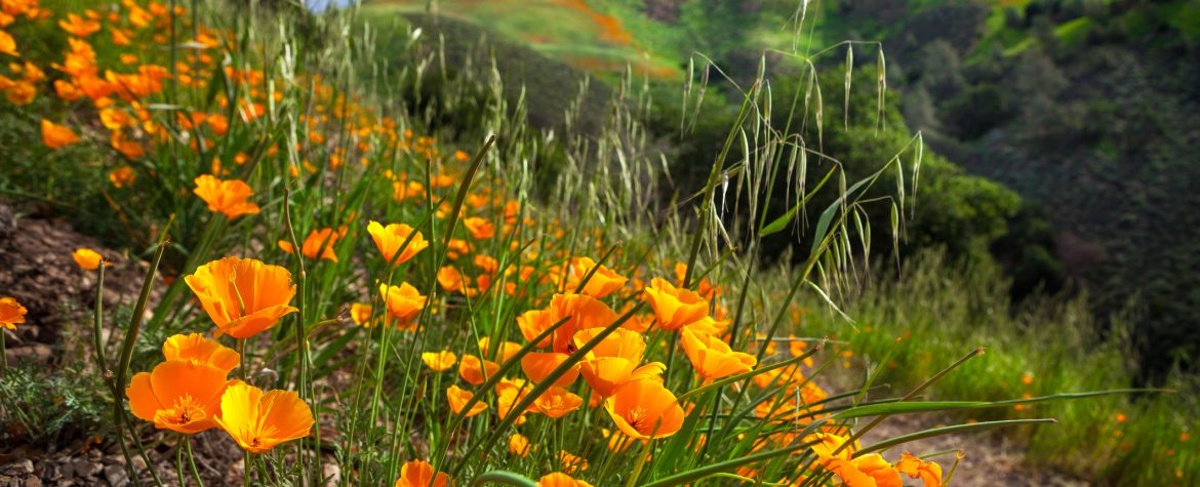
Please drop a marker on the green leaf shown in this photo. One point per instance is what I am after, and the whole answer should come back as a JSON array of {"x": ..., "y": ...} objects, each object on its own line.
[{"x": 782, "y": 222}]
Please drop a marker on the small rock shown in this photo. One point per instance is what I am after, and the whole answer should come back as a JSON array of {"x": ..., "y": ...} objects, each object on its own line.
[
  {"x": 85, "y": 468},
  {"x": 33, "y": 482},
  {"x": 116, "y": 475},
  {"x": 24, "y": 466},
  {"x": 332, "y": 474}
]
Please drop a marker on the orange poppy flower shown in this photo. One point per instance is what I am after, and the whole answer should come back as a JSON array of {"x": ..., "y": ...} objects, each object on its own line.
[
  {"x": 198, "y": 349},
  {"x": 225, "y": 197},
  {"x": 612, "y": 362},
  {"x": 419, "y": 473},
  {"x": 389, "y": 239},
  {"x": 572, "y": 463},
  {"x": 452, "y": 280},
  {"x": 243, "y": 296},
  {"x": 930, "y": 473},
  {"x": 479, "y": 228},
  {"x": 505, "y": 351},
  {"x": 319, "y": 242},
  {"x": 559, "y": 479},
  {"x": 601, "y": 283},
  {"x": 122, "y": 177},
  {"x": 557, "y": 402},
  {"x": 509, "y": 392},
  {"x": 23, "y": 93},
  {"x": 66, "y": 90},
  {"x": 535, "y": 322},
  {"x": 439, "y": 361},
  {"x": 258, "y": 421},
  {"x": 177, "y": 395},
  {"x": 518, "y": 445},
  {"x": 712, "y": 357},
  {"x": 78, "y": 26},
  {"x": 57, "y": 136},
  {"x": 674, "y": 307},
  {"x": 472, "y": 369},
  {"x": 132, "y": 149},
  {"x": 8, "y": 45},
  {"x": 458, "y": 398},
  {"x": 869, "y": 470},
  {"x": 87, "y": 259},
  {"x": 825, "y": 444},
  {"x": 11, "y": 313},
  {"x": 360, "y": 313},
  {"x": 404, "y": 302},
  {"x": 582, "y": 312},
  {"x": 538, "y": 365},
  {"x": 644, "y": 409}
]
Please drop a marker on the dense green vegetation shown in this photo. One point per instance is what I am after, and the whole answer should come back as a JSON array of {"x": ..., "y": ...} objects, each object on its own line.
[{"x": 1081, "y": 107}]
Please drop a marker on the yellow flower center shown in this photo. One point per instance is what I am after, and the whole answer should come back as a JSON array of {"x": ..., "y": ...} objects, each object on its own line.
[
  {"x": 185, "y": 410},
  {"x": 637, "y": 418}
]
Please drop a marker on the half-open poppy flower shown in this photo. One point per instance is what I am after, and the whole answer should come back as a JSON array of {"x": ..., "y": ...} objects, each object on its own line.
[
  {"x": 389, "y": 239},
  {"x": 198, "y": 349},
  {"x": 418, "y": 473},
  {"x": 243, "y": 296},
  {"x": 675, "y": 307}
]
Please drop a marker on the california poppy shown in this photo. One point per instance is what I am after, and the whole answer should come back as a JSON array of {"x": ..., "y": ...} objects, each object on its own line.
[
  {"x": 509, "y": 392},
  {"x": 602, "y": 282},
  {"x": 473, "y": 370},
  {"x": 644, "y": 409},
  {"x": 198, "y": 349},
  {"x": 580, "y": 312},
  {"x": 78, "y": 26},
  {"x": 418, "y": 473},
  {"x": 612, "y": 361},
  {"x": 8, "y": 45},
  {"x": 87, "y": 259},
  {"x": 258, "y": 421},
  {"x": 518, "y": 445},
  {"x": 675, "y": 307},
  {"x": 11, "y": 313},
  {"x": 389, "y": 239},
  {"x": 404, "y": 302},
  {"x": 556, "y": 402},
  {"x": 225, "y": 197},
  {"x": 439, "y": 361},
  {"x": 458, "y": 398},
  {"x": 930, "y": 473},
  {"x": 559, "y": 479},
  {"x": 572, "y": 463},
  {"x": 538, "y": 365},
  {"x": 180, "y": 396},
  {"x": 479, "y": 228},
  {"x": 122, "y": 177},
  {"x": 243, "y": 296},
  {"x": 829, "y": 445},
  {"x": 318, "y": 243},
  {"x": 712, "y": 357},
  {"x": 360, "y": 313},
  {"x": 57, "y": 136},
  {"x": 869, "y": 470}
]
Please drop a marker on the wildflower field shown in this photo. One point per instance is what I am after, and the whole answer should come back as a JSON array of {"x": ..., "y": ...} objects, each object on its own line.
[{"x": 343, "y": 289}]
